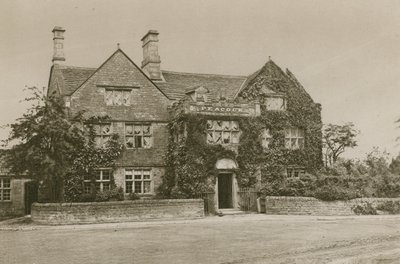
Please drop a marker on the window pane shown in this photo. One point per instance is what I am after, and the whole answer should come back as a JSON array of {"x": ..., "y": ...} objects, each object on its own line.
[
  {"x": 146, "y": 130},
  {"x": 97, "y": 129},
  {"x": 138, "y": 130},
  {"x": 128, "y": 129},
  {"x": 86, "y": 177},
  {"x": 146, "y": 174},
  {"x": 287, "y": 132},
  {"x": 300, "y": 133},
  {"x": 86, "y": 187},
  {"x": 235, "y": 126},
  {"x": 138, "y": 142},
  {"x": 210, "y": 125},
  {"x": 106, "y": 186},
  {"x": 146, "y": 142},
  {"x": 117, "y": 97},
  {"x": 98, "y": 176},
  {"x": 138, "y": 187},
  {"x": 218, "y": 125},
  {"x": 126, "y": 100},
  {"x": 226, "y": 137},
  {"x": 6, "y": 183},
  {"x": 146, "y": 187},
  {"x": 106, "y": 175},
  {"x": 6, "y": 195},
  {"x": 97, "y": 186},
  {"x": 128, "y": 187},
  {"x": 218, "y": 137},
  {"x": 138, "y": 175},
  {"x": 128, "y": 174},
  {"x": 235, "y": 137},
  {"x": 210, "y": 138},
  {"x": 97, "y": 141},
  {"x": 287, "y": 143},
  {"x": 109, "y": 97},
  {"x": 129, "y": 142},
  {"x": 301, "y": 142},
  {"x": 293, "y": 143},
  {"x": 226, "y": 126},
  {"x": 106, "y": 129},
  {"x": 105, "y": 140}
]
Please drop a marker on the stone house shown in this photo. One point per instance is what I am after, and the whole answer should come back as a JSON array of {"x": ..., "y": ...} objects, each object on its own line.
[{"x": 141, "y": 102}]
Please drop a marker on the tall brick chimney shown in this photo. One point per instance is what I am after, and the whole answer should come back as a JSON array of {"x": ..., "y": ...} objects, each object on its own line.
[
  {"x": 58, "y": 42},
  {"x": 151, "y": 60}
]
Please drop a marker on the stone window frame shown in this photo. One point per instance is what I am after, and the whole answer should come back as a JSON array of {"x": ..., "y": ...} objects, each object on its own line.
[
  {"x": 294, "y": 138},
  {"x": 5, "y": 189},
  {"x": 102, "y": 136},
  {"x": 266, "y": 137},
  {"x": 270, "y": 97},
  {"x": 110, "y": 97},
  {"x": 218, "y": 133},
  {"x": 135, "y": 140},
  {"x": 139, "y": 179},
  {"x": 102, "y": 181},
  {"x": 294, "y": 172}
]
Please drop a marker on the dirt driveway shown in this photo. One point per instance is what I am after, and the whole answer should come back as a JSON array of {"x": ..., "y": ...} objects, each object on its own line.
[{"x": 229, "y": 239}]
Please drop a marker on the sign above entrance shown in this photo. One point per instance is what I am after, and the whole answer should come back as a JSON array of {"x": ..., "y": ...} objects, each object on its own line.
[{"x": 226, "y": 110}]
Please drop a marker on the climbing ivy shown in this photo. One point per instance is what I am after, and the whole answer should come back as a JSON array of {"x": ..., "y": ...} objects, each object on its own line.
[{"x": 191, "y": 161}]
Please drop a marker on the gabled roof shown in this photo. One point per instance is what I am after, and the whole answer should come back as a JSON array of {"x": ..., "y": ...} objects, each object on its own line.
[
  {"x": 178, "y": 83},
  {"x": 73, "y": 77}
]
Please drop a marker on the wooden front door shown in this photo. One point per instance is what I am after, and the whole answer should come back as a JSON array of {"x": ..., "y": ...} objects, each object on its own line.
[
  {"x": 225, "y": 191},
  {"x": 31, "y": 195}
]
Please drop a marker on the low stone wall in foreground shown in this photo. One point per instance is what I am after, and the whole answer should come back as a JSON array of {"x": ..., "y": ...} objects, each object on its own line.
[
  {"x": 282, "y": 205},
  {"x": 113, "y": 212}
]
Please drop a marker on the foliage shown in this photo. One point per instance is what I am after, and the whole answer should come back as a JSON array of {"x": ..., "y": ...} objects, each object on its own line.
[
  {"x": 395, "y": 165},
  {"x": 133, "y": 196},
  {"x": 365, "y": 209},
  {"x": 45, "y": 143},
  {"x": 392, "y": 207},
  {"x": 190, "y": 161},
  {"x": 115, "y": 194},
  {"x": 336, "y": 139}
]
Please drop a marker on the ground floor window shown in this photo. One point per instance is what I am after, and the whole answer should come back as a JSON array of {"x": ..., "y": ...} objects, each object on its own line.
[
  {"x": 294, "y": 172},
  {"x": 5, "y": 189},
  {"x": 102, "y": 181},
  {"x": 138, "y": 181}
]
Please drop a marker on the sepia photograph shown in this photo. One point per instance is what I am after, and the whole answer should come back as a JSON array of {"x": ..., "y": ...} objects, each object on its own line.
[{"x": 209, "y": 131}]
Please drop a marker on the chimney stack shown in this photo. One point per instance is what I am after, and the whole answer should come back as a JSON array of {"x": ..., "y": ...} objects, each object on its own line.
[
  {"x": 58, "y": 42},
  {"x": 151, "y": 60}
]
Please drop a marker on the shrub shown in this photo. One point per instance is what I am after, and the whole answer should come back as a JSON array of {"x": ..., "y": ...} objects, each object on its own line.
[
  {"x": 133, "y": 196},
  {"x": 115, "y": 194},
  {"x": 364, "y": 209},
  {"x": 334, "y": 192},
  {"x": 392, "y": 207}
]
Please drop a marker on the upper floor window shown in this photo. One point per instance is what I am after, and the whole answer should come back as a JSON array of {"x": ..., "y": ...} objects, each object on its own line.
[
  {"x": 138, "y": 181},
  {"x": 102, "y": 134},
  {"x": 294, "y": 172},
  {"x": 5, "y": 189},
  {"x": 118, "y": 97},
  {"x": 222, "y": 132},
  {"x": 294, "y": 138},
  {"x": 275, "y": 103},
  {"x": 266, "y": 138},
  {"x": 138, "y": 135}
]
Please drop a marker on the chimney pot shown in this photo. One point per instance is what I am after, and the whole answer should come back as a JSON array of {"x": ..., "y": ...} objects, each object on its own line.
[{"x": 58, "y": 45}]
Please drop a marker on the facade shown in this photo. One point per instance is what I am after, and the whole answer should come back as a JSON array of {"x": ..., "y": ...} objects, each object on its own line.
[{"x": 143, "y": 102}]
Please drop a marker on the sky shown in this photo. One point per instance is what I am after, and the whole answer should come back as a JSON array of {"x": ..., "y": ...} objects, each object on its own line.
[{"x": 346, "y": 53}]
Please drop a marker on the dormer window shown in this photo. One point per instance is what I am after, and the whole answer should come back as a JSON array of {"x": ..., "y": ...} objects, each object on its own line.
[{"x": 198, "y": 94}]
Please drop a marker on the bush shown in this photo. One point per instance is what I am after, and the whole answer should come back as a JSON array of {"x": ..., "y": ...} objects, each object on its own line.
[
  {"x": 365, "y": 209},
  {"x": 133, "y": 196},
  {"x": 334, "y": 192},
  {"x": 115, "y": 194},
  {"x": 392, "y": 207}
]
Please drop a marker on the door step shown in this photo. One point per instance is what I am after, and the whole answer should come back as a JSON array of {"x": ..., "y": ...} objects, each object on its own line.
[{"x": 230, "y": 211}]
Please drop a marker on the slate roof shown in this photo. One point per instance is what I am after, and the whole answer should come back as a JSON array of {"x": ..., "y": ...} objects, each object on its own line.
[{"x": 177, "y": 84}]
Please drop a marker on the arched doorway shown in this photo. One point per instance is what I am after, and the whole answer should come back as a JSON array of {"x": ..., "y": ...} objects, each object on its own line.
[{"x": 226, "y": 185}]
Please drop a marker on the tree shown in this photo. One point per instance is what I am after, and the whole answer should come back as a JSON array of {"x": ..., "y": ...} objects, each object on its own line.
[
  {"x": 336, "y": 138},
  {"x": 43, "y": 143},
  {"x": 395, "y": 165}
]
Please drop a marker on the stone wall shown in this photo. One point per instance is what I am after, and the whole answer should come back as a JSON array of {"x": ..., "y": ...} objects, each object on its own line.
[
  {"x": 113, "y": 212},
  {"x": 15, "y": 207},
  {"x": 312, "y": 206}
]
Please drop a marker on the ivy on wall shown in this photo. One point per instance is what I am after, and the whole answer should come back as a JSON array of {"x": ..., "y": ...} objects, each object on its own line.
[{"x": 191, "y": 161}]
